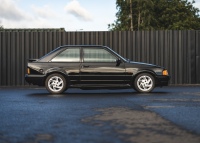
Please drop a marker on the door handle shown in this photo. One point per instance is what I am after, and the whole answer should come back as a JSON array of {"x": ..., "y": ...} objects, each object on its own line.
[{"x": 85, "y": 66}]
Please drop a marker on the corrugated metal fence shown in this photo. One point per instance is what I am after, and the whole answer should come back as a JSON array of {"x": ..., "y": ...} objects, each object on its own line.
[{"x": 178, "y": 51}]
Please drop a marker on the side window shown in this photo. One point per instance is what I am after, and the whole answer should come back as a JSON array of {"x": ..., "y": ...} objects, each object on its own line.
[
  {"x": 97, "y": 55},
  {"x": 68, "y": 55}
]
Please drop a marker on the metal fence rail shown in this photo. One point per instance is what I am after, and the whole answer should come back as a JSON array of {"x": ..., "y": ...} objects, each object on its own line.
[{"x": 178, "y": 51}]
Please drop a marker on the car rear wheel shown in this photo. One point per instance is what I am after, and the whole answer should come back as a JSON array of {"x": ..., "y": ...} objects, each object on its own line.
[
  {"x": 144, "y": 83},
  {"x": 55, "y": 84}
]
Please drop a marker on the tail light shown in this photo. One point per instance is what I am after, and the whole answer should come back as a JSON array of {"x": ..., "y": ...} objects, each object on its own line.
[{"x": 28, "y": 71}]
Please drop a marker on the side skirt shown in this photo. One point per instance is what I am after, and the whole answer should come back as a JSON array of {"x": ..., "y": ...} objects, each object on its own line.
[{"x": 100, "y": 86}]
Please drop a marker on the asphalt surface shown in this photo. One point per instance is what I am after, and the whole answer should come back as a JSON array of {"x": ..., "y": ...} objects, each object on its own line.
[{"x": 32, "y": 115}]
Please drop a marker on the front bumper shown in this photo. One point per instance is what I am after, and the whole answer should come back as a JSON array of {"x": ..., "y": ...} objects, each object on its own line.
[
  {"x": 162, "y": 80},
  {"x": 35, "y": 79}
]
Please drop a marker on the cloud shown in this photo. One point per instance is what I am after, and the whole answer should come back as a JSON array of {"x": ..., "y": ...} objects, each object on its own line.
[
  {"x": 78, "y": 11},
  {"x": 197, "y": 4},
  {"x": 44, "y": 12},
  {"x": 41, "y": 16},
  {"x": 11, "y": 16},
  {"x": 9, "y": 11}
]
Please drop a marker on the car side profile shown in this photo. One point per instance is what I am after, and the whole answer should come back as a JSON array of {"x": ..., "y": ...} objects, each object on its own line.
[{"x": 92, "y": 67}]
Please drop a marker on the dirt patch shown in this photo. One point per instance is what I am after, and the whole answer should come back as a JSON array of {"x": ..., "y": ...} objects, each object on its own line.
[
  {"x": 44, "y": 137},
  {"x": 141, "y": 126}
]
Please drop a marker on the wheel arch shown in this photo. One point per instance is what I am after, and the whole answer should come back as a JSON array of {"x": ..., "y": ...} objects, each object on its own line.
[
  {"x": 58, "y": 72},
  {"x": 141, "y": 72}
]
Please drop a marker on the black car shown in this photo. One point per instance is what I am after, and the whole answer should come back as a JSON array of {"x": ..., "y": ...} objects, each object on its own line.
[{"x": 89, "y": 66}]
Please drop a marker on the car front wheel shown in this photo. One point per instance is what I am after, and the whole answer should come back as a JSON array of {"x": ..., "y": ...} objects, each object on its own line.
[
  {"x": 55, "y": 84},
  {"x": 144, "y": 83}
]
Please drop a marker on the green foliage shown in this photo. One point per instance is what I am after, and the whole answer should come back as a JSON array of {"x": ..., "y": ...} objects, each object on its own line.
[
  {"x": 123, "y": 20},
  {"x": 156, "y": 14}
]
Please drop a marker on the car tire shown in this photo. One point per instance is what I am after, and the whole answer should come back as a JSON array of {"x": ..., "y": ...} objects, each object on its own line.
[
  {"x": 56, "y": 84},
  {"x": 144, "y": 83}
]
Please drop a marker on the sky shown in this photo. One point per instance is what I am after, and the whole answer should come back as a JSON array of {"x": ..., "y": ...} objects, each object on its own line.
[{"x": 73, "y": 15}]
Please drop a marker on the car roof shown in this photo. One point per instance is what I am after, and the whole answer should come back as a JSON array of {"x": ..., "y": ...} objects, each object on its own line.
[{"x": 81, "y": 46}]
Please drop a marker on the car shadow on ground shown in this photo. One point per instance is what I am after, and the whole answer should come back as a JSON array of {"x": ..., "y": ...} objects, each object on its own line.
[{"x": 93, "y": 93}]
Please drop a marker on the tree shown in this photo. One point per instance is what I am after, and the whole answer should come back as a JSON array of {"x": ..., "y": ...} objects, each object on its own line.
[
  {"x": 1, "y": 27},
  {"x": 144, "y": 10},
  {"x": 177, "y": 14},
  {"x": 133, "y": 15},
  {"x": 123, "y": 19},
  {"x": 156, "y": 14}
]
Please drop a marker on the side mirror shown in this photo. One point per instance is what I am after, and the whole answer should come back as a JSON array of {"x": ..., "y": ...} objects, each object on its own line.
[{"x": 118, "y": 62}]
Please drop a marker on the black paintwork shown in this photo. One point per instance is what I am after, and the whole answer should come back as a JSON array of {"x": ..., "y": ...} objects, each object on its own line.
[{"x": 80, "y": 74}]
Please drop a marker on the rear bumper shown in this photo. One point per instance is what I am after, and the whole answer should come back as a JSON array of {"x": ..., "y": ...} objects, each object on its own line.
[
  {"x": 35, "y": 79},
  {"x": 162, "y": 80}
]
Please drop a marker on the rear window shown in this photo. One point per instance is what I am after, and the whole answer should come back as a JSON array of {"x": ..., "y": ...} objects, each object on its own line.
[{"x": 68, "y": 55}]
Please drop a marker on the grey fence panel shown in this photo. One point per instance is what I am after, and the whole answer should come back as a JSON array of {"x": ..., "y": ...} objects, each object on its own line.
[
  {"x": 178, "y": 51},
  {"x": 4, "y": 59},
  {"x": 197, "y": 56},
  {"x": 1, "y": 52}
]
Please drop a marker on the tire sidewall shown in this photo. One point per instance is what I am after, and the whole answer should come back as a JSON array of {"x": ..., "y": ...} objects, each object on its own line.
[
  {"x": 64, "y": 83},
  {"x": 136, "y": 86}
]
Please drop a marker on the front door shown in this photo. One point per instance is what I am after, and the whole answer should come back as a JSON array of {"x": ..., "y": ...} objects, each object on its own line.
[{"x": 99, "y": 67}]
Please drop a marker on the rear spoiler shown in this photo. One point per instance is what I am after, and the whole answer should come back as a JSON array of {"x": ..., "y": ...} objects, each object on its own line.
[{"x": 32, "y": 60}]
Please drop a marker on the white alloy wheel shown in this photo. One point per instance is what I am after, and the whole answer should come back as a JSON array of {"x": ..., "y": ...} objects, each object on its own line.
[
  {"x": 144, "y": 83},
  {"x": 56, "y": 83}
]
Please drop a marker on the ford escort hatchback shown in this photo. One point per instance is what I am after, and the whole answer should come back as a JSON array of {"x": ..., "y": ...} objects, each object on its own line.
[{"x": 92, "y": 67}]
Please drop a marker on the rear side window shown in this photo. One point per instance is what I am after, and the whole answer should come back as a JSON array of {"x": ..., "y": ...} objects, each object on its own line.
[
  {"x": 68, "y": 55},
  {"x": 97, "y": 55}
]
